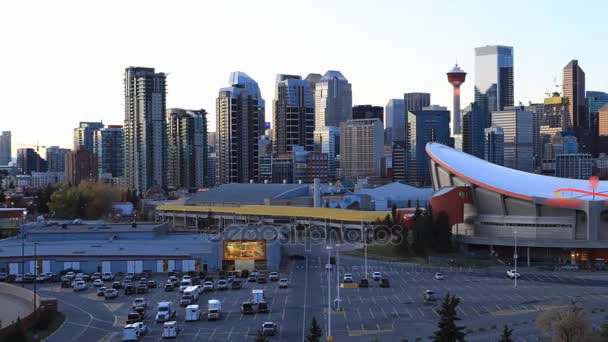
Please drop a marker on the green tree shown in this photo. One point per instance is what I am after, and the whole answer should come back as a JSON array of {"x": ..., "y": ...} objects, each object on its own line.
[
  {"x": 447, "y": 330},
  {"x": 444, "y": 233},
  {"x": 506, "y": 334},
  {"x": 87, "y": 200},
  {"x": 315, "y": 333},
  {"x": 2, "y": 197},
  {"x": 260, "y": 337}
]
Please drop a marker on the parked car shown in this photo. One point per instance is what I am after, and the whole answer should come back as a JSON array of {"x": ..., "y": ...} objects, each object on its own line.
[
  {"x": 19, "y": 278},
  {"x": 141, "y": 289},
  {"x": 53, "y": 277},
  {"x": 29, "y": 278},
  {"x": 438, "y": 276},
  {"x": 222, "y": 285},
  {"x": 66, "y": 284},
  {"x": 208, "y": 286},
  {"x": 429, "y": 296},
  {"x": 41, "y": 278},
  {"x": 116, "y": 285},
  {"x": 231, "y": 278},
  {"x": 101, "y": 291},
  {"x": 98, "y": 282},
  {"x": 513, "y": 274},
  {"x": 261, "y": 279},
  {"x": 274, "y": 276},
  {"x": 235, "y": 285},
  {"x": 152, "y": 284},
  {"x": 173, "y": 280},
  {"x": 107, "y": 276},
  {"x": 80, "y": 286},
  {"x": 133, "y": 317},
  {"x": 251, "y": 278},
  {"x": 247, "y": 308},
  {"x": 139, "y": 302},
  {"x": 269, "y": 328},
  {"x": 186, "y": 300},
  {"x": 169, "y": 287},
  {"x": 385, "y": 283},
  {"x": 111, "y": 294},
  {"x": 376, "y": 276},
  {"x": 86, "y": 277},
  {"x": 129, "y": 290},
  {"x": 348, "y": 278},
  {"x": 569, "y": 267},
  {"x": 363, "y": 283},
  {"x": 262, "y": 307},
  {"x": 283, "y": 283}
]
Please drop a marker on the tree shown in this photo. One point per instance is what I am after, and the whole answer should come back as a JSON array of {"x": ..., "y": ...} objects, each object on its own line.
[
  {"x": 260, "y": 337},
  {"x": 444, "y": 233},
  {"x": 448, "y": 330},
  {"x": 315, "y": 333},
  {"x": 506, "y": 334},
  {"x": 567, "y": 324},
  {"x": 604, "y": 332},
  {"x": 87, "y": 200},
  {"x": 2, "y": 197}
]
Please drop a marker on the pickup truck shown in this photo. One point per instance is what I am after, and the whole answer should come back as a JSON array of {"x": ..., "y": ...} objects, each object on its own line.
[{"x": 513, "y": 274}]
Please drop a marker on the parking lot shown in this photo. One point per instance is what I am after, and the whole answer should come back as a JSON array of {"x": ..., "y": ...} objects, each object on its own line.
[{"x": 488, "y": 300}]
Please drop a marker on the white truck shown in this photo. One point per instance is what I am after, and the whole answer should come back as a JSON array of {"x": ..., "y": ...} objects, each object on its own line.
[
  {"x": 214, "y": 309},
  {"x": 257, "y": 296},
  {"x": 164, "y": 311},
  {"x": 195, "y": 291},
  {"x": 193, "y": 313},
  {"x": 132, "y": 332},
  {"x": 170, "y": 329},
  {"x": 184, "y": 284}
]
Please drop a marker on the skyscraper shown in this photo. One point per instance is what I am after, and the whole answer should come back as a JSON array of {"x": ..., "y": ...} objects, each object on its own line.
[
  {"x": 456, "y": 77},
  {"x": 327, "y": 140},
  {"x": 187, "y": 148},
  {"x": 494, "y": 79},
  {"x": 80, "y": 165},
  {"x": 494, "y": 145},
  {"x": 361, "y": 148},
  {"x": 431, "y": 124},
  {"x": 517, "y": 125},
  {"x": 28, "y": 160},
  {"x": 84, "y": 135},
  {"x": 239, "y": 123},
  {"x": 110, "y": 151},
  {"x": 55, "y": 158},
  {"x": 294, "y": 114},
  {"x": 394, "y": 121},
  {"x": 333, "y": 100},
  {"x": 416, "y": 101},
  {"x": 145, "y": 129},
  {"x": 5, "y": 147},
  {"x": 368, "y": 112},
  {"x": 603, "y": 122},
  {"x": 473, "y": 124},
  {"x": 574, "y": 90}
]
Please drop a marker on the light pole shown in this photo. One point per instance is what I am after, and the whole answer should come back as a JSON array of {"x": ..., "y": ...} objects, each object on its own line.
[
  {"x": 365, "y": 230},
  {"x": 35, "y": 276},
  {"x": 328, "y": 293},
  {"x": 338, "y": 305},
  {"x": 515, "y": 256}
]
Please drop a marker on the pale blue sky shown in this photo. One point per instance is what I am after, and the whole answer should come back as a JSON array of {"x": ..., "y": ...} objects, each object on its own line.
[{"x": 63, "y": 62}]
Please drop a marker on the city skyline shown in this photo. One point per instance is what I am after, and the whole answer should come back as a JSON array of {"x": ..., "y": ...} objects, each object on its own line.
[{"x": 377, "y": 68}]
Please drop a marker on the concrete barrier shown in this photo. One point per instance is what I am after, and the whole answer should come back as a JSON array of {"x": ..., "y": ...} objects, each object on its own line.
[{"x": 10, "y": 298}]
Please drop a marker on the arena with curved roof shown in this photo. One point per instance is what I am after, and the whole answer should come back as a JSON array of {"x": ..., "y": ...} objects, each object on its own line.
[{"x": 553, "y": 218}]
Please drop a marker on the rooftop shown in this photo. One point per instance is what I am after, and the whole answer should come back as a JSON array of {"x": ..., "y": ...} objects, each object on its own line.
[{"x": 246, "y": 193}]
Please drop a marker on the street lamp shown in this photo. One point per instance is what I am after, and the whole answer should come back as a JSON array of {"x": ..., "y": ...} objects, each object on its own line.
[
  {"x": 328, "y": 293},
  {"x": 515, "y": 256},
  {"x": 35, "y": 276},
  {"x": 366, "y": 234},
  {"x": 338, "y": 302}
]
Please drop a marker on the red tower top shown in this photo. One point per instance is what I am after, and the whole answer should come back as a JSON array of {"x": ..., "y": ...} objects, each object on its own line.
[{"x": 456, "y": 76}]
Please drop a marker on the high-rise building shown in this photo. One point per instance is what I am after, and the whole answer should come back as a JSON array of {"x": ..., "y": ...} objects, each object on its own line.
[
  {"x": 473, "y": 124},
  {"x": 602, "y": 115},
  {"x": 80, "y": 165},
  {"x": 84, "y": 135},
  {"x": 574, "y": 91},
  {"x": 456, "y": 78},
  {"x": 333, "y": 100},
  {"x": 55, "y": 158},
  {"x": 313, "y": 79},
  {"x": 538, "y": 110},
  {"x": 494, "y": 145},
  {"x": 361, "y": 148},
  {"x": 211, "y": 158},
  {"x": 595, "y": 101},
  {"x": 398, "y": 161},
  {"x": 517, "y": 126},
  {"x": 327, "y": 140},
  {"x": 5, "y": 147},
  {"x": 186, "y": 148},
  {"x": 431, "y": 124},
  {"x": 294, "y": 114},
  {"x": 368, "y": 112},
  {"x": 28, "y": 161},
  {"x": 145, "y": 129},
  {"x": 309, "y": 165},
  {"x": 416, "y": 101},
  {"x": 494, "y": 79},
  {"x": 573, "y": 165},
  {"x": 239, "y": 124},
  {"x": 394, "y": 121},
  {"x": 282, "y": 168},
  {"x": 110, "y": 151}
]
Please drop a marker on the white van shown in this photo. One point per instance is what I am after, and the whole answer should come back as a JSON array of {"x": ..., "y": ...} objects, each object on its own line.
[
  {"x": 132, "y": 332},
  {"x": 184, "y": 284},
  {"x": 194, "y": 291},
  {"x": 170, "y": 329},
  {"x": 193, "y": 313},
  {"x": 214, "y": 309}
]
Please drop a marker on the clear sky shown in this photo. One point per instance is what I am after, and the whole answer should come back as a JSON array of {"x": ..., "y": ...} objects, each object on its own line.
[{"x": 63, "y": 61}]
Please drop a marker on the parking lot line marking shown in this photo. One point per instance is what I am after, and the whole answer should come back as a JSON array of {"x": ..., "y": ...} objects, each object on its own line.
[
  {"x": 477, "y": 312},
  {"x": 197, "y": 332},
  {"x": 359, "y": 313},
  {"x": 247, "y": 333},
  {"x": 371, "y": 313},
  {"x": 374, "y": 300},
  {"x": 384, "y": 313},
  {"x": 422, "y": 313},
  {"x": 461, "y": 311}
]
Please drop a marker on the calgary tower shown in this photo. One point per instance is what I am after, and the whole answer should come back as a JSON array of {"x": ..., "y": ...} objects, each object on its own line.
[{"x": 456, "y": 77}]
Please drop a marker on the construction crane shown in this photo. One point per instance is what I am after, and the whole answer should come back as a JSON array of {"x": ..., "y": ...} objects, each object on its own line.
[{"x": 37, "y": 146}]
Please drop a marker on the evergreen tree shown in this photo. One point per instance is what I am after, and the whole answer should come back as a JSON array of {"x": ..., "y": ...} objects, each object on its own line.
[
  {"x": 2, "y": 197},
  {"x": 448, "y": 331},
  {"x": 409, "y": 203},
  {"x": 315, "y": 334},
  {"x": 444, "y": 233},
  {"x": 506, "y": 334},
  {"x": 260, "y": 337}
]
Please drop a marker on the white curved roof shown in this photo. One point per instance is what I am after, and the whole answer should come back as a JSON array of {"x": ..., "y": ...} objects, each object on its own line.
[{"x": 508, "y": 181}]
